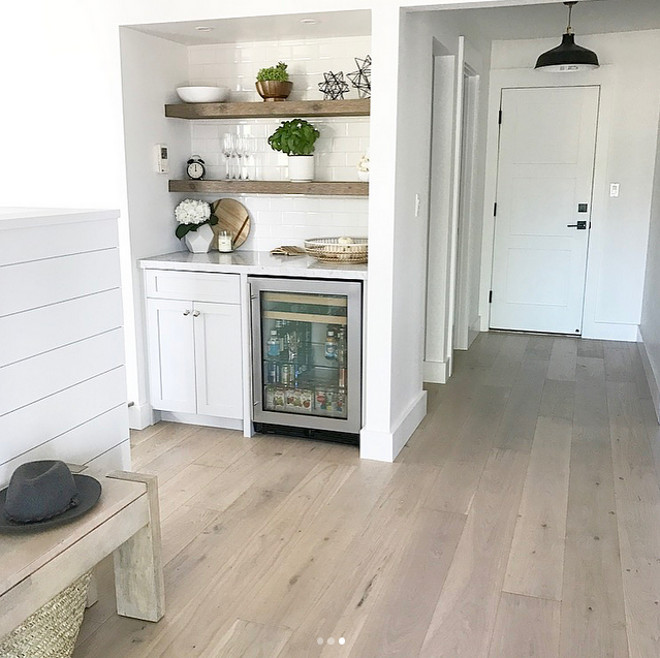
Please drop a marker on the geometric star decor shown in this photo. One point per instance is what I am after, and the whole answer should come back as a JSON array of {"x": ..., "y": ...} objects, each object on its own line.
[
  {"x": 334, "y": 86},
  {"x": 361, "y": 79}
]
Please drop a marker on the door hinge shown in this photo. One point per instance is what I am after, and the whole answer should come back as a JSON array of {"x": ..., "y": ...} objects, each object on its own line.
[
  {"x": 490, "y": 296},
  {"x": 499, "y": 118},
  {"x": 495, "y": 209}
]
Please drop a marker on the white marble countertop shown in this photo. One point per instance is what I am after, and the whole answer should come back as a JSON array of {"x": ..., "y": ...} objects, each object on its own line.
[
  {"x": 255, "y": 263},
  {"x": 11, "y": 218}
]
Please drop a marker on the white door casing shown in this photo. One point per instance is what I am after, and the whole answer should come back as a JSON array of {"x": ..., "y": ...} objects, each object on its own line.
[
  {"x": 545, "y": 173},
  {"x": 466, "y": 316}
]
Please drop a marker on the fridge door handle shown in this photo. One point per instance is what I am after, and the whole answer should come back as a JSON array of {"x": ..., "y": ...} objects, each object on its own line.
[{"x": 255, "y": 349}]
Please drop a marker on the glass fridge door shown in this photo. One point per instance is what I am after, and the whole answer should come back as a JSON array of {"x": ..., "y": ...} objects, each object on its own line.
[{"x": 309, "y": 364}]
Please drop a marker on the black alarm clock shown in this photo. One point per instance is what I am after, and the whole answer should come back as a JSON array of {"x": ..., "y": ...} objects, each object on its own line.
[{"x": 195, "y": 168}]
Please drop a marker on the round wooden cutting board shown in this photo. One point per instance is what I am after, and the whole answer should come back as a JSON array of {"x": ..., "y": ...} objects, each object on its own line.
[{"x": 234, "y": 218}]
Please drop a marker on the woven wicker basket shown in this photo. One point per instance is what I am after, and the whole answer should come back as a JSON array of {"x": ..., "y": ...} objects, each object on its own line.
[
  {"x": 51, "y": 631},
  {"x": 338, "y": 249}
]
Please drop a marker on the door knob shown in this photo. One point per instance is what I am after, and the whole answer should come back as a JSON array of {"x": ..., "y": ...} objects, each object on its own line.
[{"x": 580, "y": 226}]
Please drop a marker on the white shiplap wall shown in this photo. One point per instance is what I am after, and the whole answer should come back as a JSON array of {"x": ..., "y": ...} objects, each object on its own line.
[{"x": 62, "y": 374}]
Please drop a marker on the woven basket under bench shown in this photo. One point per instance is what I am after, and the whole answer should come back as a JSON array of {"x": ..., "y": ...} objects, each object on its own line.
[{"x": 51, "y": 631}]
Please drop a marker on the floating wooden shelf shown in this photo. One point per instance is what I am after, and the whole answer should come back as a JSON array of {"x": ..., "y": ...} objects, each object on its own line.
[
  {"x": 270, "y": 187},
  {"x": 258, "y": 110}
]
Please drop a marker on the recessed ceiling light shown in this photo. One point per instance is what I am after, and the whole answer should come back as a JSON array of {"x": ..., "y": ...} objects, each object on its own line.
[
  {"x": 203, "y": 28},
  {"x": 308, "y": 21}
]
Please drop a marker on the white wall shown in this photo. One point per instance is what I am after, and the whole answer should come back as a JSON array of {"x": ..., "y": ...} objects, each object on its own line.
[
  {"x": 650, "y": 325},
  {"x": 152, "y": 68},
  {"x": 625, "y": 153}
]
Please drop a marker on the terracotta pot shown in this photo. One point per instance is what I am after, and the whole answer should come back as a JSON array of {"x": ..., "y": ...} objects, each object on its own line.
[{"x": 274, "y": 90}]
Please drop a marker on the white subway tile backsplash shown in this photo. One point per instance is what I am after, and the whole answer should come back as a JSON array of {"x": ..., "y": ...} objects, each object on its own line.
[
  {"x": 207, "y": 131},
  {"x": 278, "y": 220},
  {"x": 358, "y": 128},
  {"x": 305, "y": 51},
  {"x": 277, "y": 52}
]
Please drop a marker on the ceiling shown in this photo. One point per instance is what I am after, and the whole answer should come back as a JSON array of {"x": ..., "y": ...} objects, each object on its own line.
[
  {"x": 517, "y": 22},
  {"x": 265, "y": 28},
  {"x": 549, "y": 20}
]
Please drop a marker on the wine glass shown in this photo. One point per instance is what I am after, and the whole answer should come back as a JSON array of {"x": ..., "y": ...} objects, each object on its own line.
[
  {"x": 246, "y": 150},
  {"x": 227, "y": 151},
  {"x": 239, "y": 149}
]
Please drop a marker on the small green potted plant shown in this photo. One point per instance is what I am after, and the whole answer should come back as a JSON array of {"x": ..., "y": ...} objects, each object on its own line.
[
  {"x": 273, "y": 83},
  {"x": 296, "y": 138}
]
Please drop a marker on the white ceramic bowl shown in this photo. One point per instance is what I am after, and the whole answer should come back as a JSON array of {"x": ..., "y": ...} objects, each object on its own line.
[{"x": 203, "y": 94}]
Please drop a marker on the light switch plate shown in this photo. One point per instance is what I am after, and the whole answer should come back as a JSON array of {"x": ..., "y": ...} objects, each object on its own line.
[{"x": 614, "y": 189}]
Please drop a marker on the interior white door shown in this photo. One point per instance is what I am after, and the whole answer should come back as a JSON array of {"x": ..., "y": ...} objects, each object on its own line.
[{"x": 543, "y": 210}]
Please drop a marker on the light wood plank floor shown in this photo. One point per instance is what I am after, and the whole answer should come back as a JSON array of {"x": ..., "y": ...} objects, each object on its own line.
[{"x": 522, "y": 519}]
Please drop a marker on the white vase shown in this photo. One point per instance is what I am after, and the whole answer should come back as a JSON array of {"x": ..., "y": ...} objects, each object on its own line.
[
  {"x": 199, "y": 241},
  {"x": 301, "y": 168}
]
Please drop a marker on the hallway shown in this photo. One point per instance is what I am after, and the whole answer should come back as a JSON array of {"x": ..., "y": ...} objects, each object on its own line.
[{"x": 520, "y": 520}]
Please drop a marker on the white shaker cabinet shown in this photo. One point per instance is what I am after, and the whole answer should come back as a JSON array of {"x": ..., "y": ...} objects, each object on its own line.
[{"x": 195, "y": 343}]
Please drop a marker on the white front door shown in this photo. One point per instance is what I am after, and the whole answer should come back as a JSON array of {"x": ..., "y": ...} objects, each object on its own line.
[{"x": 543, "y": 210}]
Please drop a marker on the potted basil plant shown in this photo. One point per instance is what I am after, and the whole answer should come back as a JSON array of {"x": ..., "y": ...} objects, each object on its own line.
[{"x": 296, "y": 138}]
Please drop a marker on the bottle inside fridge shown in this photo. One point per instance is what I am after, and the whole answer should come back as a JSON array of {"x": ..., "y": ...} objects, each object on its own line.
[{"x": 309, "y": 358}]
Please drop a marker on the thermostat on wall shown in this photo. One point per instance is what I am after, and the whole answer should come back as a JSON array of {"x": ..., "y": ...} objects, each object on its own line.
[{"x": 162, "y": 161}]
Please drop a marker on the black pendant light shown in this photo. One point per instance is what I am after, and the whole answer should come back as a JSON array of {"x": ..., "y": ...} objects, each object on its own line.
[{"x": 568, "y": 56}]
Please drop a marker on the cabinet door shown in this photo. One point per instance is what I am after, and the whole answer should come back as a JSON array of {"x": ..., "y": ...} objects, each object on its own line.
[
  {"x": 218, "y": 349},
  {"x": 171, "y": 355}
]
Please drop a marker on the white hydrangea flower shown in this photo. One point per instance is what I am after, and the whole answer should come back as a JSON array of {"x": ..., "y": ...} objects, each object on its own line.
[{"x": 192, "y": 211}]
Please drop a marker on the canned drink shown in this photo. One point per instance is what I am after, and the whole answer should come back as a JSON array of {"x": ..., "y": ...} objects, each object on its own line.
[
  {"x": 279, "y": 397},
  {"x": 290, "y": 399},
  {"x": 287, "y": 376},
  {"x": 271, "y": 376},
  {"x": 321, "y": 400}
]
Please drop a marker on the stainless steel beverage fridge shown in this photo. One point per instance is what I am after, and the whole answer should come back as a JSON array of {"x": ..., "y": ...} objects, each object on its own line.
[{"x": 307, "y": 356}]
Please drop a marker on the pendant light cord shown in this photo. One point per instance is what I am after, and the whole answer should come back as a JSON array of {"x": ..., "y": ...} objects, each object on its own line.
[{"x": 569, "y": 29}]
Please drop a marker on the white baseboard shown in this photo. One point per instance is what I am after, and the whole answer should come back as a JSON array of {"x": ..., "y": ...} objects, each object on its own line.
[
  {"x": 199, "y": 419},
  {"x": 610, "y": 331},
  {"x": 474, "y": 330},
  {"x": 140, "y": 416},
  {"x": 385, "y": 446},
  {"x": 654, "y": 382},
  {"x": 436, "y": 372}
]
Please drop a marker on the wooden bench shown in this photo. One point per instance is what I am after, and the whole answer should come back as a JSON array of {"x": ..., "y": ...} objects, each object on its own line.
[{"x": 36, "y": 567}]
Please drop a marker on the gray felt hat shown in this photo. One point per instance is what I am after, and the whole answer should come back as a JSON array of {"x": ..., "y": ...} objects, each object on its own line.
[{"x": 43, "y": 494}]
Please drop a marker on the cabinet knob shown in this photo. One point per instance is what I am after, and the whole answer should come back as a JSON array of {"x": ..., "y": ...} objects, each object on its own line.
[
  {"x": 195, "y": 314},
  {"x": 186, "y": 312}
]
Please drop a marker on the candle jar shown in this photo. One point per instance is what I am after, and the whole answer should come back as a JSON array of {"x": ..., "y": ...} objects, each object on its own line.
[{"x": 224, "y": 241}]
